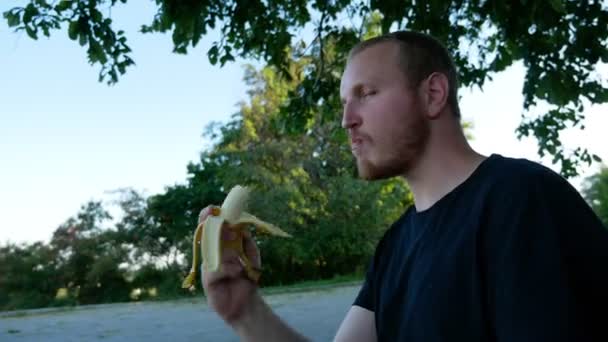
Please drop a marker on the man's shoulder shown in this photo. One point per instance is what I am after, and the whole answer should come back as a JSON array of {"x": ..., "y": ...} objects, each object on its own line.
[
  {"x": 523, "y": 186},
  {"x": 520, "y": 168},
  {"x": 521, "y": 175}
]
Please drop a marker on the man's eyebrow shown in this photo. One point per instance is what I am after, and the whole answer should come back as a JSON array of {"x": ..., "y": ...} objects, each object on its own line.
[{"x": 356, "y": 89}]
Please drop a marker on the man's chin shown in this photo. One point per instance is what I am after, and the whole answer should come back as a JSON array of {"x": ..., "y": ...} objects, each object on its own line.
[{"x": 370, "y": 172}]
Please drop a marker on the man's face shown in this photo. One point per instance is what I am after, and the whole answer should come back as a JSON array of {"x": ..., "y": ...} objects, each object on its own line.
[{"x": 383, "y": 115}]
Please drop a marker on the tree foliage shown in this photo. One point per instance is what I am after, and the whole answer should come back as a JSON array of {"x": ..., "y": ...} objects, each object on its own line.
[
  {"x": 29, "y": 276},
  {"x": 81, "y": 265},
  {"x": 595, "y": 191},
  {"x": 89, "y": 258},
  {"x": 560, "y": 43}
]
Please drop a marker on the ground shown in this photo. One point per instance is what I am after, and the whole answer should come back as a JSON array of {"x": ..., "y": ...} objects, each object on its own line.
[{"x": 316, "y": 314}]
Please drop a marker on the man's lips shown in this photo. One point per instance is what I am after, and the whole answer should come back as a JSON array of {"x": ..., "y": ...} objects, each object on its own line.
[{"x": 355, "y": 144}]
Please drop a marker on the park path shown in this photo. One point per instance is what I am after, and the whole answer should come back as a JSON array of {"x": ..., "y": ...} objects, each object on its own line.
[{"x": 316, "y": 314}]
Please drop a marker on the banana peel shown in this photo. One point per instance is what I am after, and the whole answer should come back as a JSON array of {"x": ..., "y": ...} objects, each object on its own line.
[{"x": 208, "y": 235}]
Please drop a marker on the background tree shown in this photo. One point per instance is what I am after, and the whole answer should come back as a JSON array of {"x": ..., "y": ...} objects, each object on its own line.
[
  {"x": 560, "y": 42},
  {"x": 90, "y": 257},
  {"x": 595, "y": 191},
  {"x": 28, "y": 276},
  {"x": 84, "y": 263}
]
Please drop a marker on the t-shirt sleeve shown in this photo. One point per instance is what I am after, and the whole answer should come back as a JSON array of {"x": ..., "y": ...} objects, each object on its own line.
[
  {"x": 366, "y": 297},
  {"x": 547, "y": 264}
]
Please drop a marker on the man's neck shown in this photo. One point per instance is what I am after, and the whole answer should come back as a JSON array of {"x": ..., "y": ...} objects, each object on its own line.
[{"x": 440, "y": 170}]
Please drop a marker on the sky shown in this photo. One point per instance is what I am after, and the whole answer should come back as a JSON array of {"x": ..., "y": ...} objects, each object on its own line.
[{"x": 66, "y": 139}]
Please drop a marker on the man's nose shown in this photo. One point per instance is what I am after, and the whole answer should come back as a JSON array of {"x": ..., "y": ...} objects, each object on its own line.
[{"x": 350, "y": 117}]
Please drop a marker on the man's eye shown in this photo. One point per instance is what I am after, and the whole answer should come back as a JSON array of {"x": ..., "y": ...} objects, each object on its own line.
[{"x": 369, "y": 93}]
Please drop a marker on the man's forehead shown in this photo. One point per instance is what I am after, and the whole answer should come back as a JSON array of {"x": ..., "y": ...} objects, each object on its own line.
[{"x": 369, "y": 66}]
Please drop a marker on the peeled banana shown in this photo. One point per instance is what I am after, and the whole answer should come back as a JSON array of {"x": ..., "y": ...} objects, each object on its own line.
[{"x": 208, "y": 235}]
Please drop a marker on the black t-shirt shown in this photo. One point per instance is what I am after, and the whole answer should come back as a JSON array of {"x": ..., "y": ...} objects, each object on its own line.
[{"x": 512, "y": 254}]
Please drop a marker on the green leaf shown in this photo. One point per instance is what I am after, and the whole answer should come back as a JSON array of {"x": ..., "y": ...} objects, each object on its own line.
[
  {"x": 42, "y": 3},
  {"x": 601, "y": 96},
  {"x": 31, "y": 32},
  {"x": 226, "y": 57},
  {"x": 82, "y": 39},
  {"x": 212, "y": 53},
  {"x": 73, "y": 30},
  {"x": 558, "y": 5},
  {"x": 30, "y": 12},
  {"x": 596, "y": 158},
  {"x": 121, "y": 68},
  {"x": 96, "y": 15},
  {"x": 63, "y": 5},
  {"x": 96, "y": 52},
  {"x": 12, "y": 19}
]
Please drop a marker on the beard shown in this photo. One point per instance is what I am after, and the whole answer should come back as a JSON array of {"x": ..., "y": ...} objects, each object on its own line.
[{"x": 399, "y": 153}]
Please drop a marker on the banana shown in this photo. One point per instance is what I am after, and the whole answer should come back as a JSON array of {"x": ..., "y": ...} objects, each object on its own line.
[{"x": 208, "y": 235}]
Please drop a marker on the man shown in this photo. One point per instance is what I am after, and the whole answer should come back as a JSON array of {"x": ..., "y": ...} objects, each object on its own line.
[{"x": 495, "y": 249}]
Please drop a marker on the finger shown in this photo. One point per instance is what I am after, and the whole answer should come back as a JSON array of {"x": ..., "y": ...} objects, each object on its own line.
[
  {"x": 230, "y": 268},
  {"x": 251, "y": 250},
  {"x": 208, "y": 210},
  {"x": 228, "y": 233}
]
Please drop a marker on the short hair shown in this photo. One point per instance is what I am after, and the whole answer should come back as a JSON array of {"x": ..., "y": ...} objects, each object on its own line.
[{"x": 420, "y": 56}]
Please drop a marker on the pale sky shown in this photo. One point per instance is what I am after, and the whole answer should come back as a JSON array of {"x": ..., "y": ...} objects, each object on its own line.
[{"x": 66, "y": 139}]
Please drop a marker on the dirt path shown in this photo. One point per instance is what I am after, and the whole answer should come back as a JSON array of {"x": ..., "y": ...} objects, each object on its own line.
[{"x": 316, "y": 314}]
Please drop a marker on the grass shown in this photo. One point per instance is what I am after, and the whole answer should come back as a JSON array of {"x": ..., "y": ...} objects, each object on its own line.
[{"x": 314, "y": 284}]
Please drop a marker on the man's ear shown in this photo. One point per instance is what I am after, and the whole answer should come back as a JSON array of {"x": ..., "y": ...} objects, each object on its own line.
[{"x": 436, "y": 90}]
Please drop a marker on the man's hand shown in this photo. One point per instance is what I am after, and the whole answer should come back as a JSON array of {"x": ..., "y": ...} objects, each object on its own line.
[
  {"x": 229, "y": 291},
  {"x": 235, "y": 298}
]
